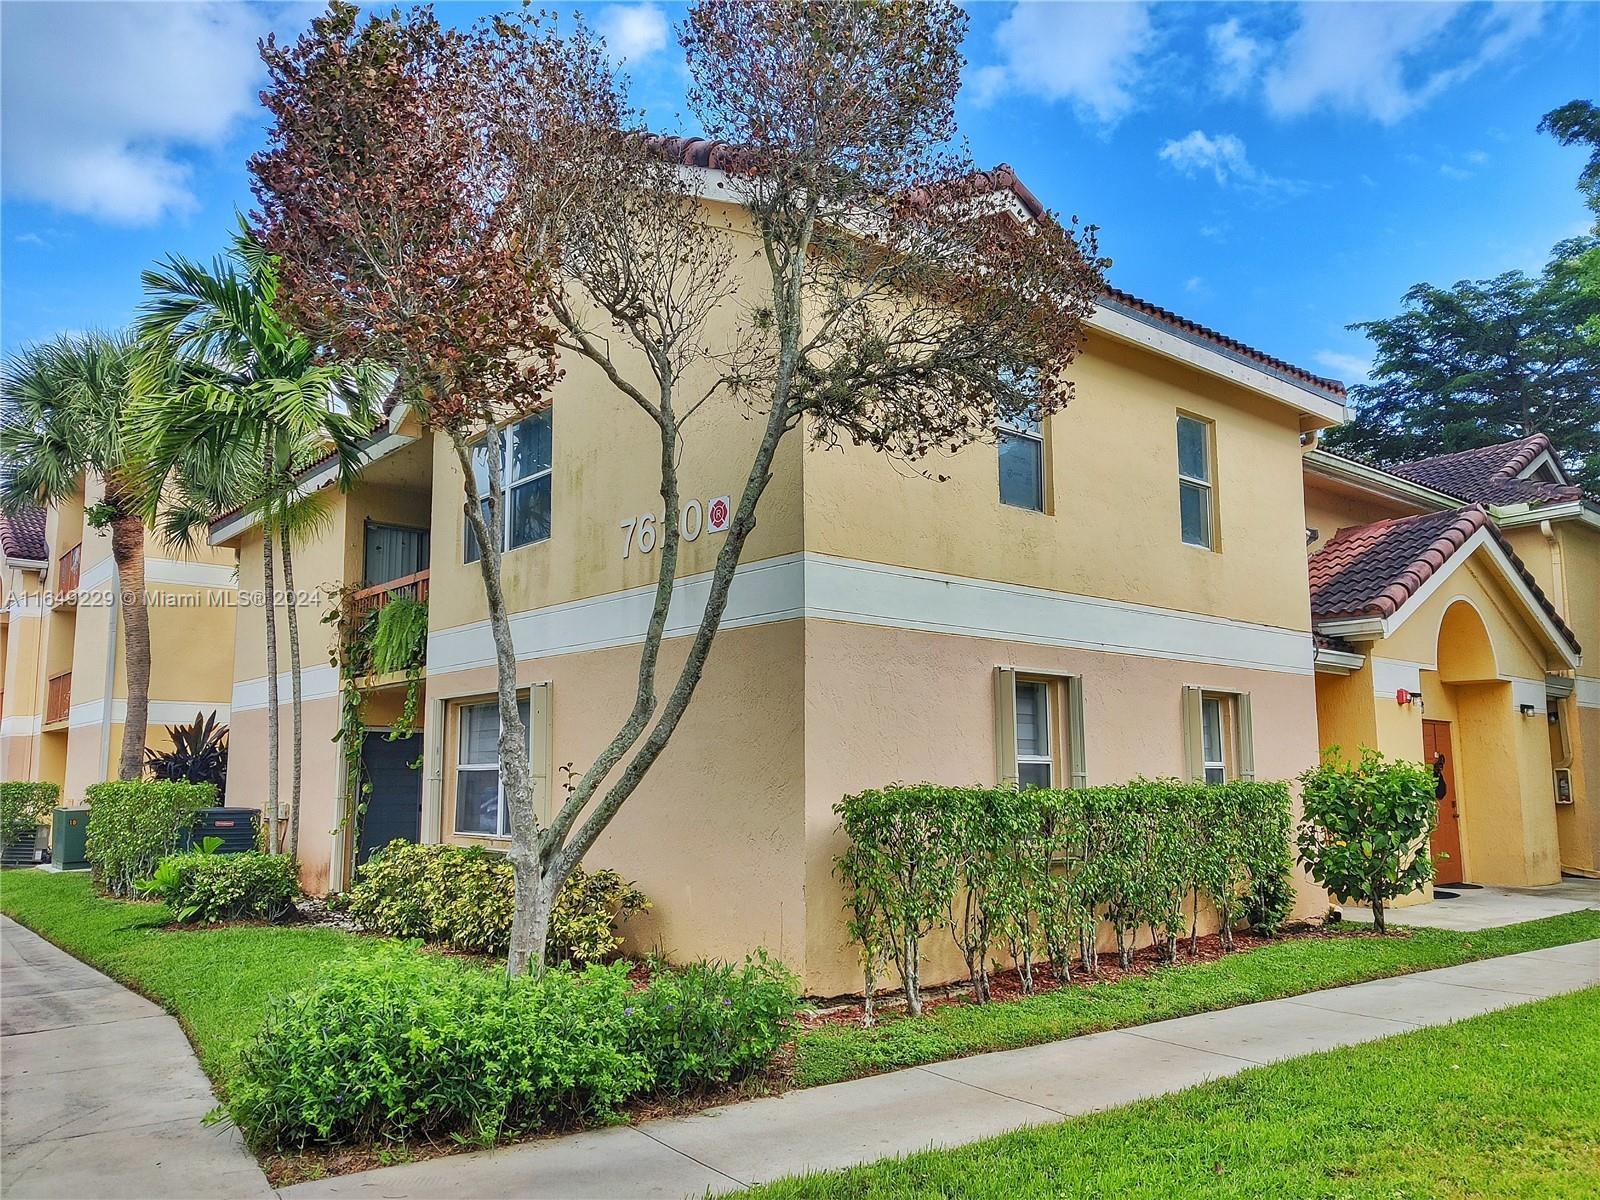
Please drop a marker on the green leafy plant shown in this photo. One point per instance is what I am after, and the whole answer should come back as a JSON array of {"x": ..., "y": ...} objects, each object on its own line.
[
  {"x": 461, "y": 897},
  {"x": 199, "y": 753},
  {"x": 204, "y": 886},
  {"x": 134, "y": 824},
  {"x": 1364, "y": 835},
  {"x": 24, "y": 806}
]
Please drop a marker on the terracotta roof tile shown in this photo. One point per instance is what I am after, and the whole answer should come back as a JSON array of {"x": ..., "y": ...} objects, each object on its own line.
[
  {"x": 22, "y": 534},
  {"x": 1372, "y": 570},
  {"x": 1488, "y": 474}
]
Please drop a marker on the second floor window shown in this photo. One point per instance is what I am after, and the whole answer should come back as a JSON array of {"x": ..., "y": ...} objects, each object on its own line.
[
  {"x": 525, "y": 475},
  {"x": 1021, "y": 451},
  {"x": 1196, "y": 501}
]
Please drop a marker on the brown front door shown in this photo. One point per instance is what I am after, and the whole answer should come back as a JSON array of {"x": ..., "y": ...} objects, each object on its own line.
[{"x": 1436, "y": 750}]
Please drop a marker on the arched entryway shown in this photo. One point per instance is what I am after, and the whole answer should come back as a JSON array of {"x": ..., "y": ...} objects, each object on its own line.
[{"x": 1467, "y": 676}]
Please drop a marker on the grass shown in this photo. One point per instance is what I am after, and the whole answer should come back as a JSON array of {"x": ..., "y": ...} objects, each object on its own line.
[
  {"x": 216, "y": 982},
  {"x": 1501, "y": 1105},
  {"x": 828, "y": 1054}
]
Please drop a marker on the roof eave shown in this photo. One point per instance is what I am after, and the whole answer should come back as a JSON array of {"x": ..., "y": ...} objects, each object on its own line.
[{"x": 1376, "y": 480}]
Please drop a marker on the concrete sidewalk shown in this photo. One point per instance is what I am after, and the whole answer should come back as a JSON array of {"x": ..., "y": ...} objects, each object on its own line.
[
  {"x": 952, "y": 1103},
  {"x": 1471, "y": 908},
  {"x": 100, "y": 1093}
]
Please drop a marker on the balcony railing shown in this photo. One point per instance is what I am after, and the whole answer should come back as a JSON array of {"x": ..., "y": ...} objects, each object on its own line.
[
  {"x": 68, "y": 570},
  {"x": 414, "y": 587},
  {"x": 58, "y": 698}
]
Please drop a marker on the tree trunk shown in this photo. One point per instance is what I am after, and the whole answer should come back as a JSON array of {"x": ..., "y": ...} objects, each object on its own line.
[
  {"x": 297, "y": 689},
  {"x": 1377, "y": 914},
  {"x": 127, "y": 549},
  {"x": 912, "y": 978},
  {"x": 269, "y": 586}
]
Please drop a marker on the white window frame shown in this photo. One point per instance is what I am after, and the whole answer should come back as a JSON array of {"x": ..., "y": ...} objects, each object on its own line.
[
  {"x": 502, "y": 817},
  {"x": 508, "y": 436},
  {"x": 1044, "y": 719},
  {"x": 1031, "y": 430},
  {"x": 1220, "y": 701},
  {"x": 1205, "y": 484}
]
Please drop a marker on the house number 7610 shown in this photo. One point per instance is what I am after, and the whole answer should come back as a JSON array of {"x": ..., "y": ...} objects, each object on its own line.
[{"x": 696, "y": 517}]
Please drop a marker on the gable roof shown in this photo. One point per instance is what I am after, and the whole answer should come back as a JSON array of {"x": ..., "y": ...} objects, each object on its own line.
[
  {"x": 22, "y": 535},
  {"x": 1372, "y": 571},
  {"x": 1489, "y": 474}
]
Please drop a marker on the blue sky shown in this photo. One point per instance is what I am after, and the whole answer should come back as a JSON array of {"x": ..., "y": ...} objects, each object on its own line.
[{"x": 1276, "y": 171}]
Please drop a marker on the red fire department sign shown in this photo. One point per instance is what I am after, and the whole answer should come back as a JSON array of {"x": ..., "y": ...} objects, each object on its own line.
[{"x": 717, "y": 515}]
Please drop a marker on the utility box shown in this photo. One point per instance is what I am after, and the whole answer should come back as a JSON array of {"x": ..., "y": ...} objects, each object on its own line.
[
  {"x": 235, "y": 826},
  {"x": 69, "y": 839}
]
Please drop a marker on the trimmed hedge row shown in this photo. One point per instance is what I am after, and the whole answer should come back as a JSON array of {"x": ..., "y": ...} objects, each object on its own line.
[
  {"x": 462, "y": 897},
  {"x": 24, "y": 806},
  {"x": 135, "y": 823},
  {"x": 1036, "y": 871},
  {"x": 206, "y": 887}
]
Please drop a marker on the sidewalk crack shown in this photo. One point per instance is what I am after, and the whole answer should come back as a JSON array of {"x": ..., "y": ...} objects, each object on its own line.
[
  {"x": 684, "y": 1153},
  {"x": 978, "y": 1087}
]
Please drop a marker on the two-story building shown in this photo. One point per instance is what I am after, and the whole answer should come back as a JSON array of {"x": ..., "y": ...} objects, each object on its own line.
[{"x": 65, "y": 692}]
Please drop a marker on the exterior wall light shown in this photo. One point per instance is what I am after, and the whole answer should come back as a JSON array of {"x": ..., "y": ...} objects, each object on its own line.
[{"x": 1526, "y": 710}]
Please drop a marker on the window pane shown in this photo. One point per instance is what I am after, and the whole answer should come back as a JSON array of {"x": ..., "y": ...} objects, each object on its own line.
[
  {"x": 478, "y": 801},
  {"x": 1192, "y": 449},
  {"x": 1215, "y": 775},
  {"x": 530, "y": 512},
  {"x": 480, "y": 734},
  {"x": 480, "y": 466},
  {"x": 1194, "y": 506},
  {"x": 1033, "y": 775},
  {"x": 1211, "y": 729},
  {"x": 1021, "y": 471},
  {"x": 472, "y": 538},
  {"x": 1033, "y": 730},
  {"x": 530, "y": 449}
]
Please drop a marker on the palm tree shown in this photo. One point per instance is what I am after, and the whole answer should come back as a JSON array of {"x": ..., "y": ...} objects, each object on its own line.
[
  {"x": 232, "y": 405},
  {"x": 63, "y": 408}
]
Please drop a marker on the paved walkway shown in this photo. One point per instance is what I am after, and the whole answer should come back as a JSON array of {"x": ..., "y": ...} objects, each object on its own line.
[
  {"x": 948, "y": 1104},
  {"x": 1489, "y": 907},
  {"x": 100, "y": 1093}
]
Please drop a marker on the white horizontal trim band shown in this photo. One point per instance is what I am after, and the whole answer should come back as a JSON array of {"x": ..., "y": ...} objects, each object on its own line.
[
  {"x": 1588, "y": 692},
  {"x": 21, "y": 726},
  {"x": 161, "y": 712},
  {"x": 164, "y": 570},
  {"x": 316, "y": 683}
]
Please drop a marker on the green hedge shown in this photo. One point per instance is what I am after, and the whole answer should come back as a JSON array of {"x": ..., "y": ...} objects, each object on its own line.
[
  {"x": 209, "y": 887},
  {"x": 24, "y": 806},
  {"x": 408, "y": 1045},
  {"x": 462, "y": 897},
  {"x": 134, "y": 824},
  {"x": 1033, "y": 872}
]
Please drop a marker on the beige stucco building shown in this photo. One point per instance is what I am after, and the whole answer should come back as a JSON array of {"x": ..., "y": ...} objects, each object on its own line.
[{"x": 65, "y": 688}]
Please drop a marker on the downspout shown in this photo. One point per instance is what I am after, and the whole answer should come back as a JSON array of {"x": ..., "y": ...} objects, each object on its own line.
[
  {"x": 110, "y": 677},
  {"x": 1558, "y": 569}
]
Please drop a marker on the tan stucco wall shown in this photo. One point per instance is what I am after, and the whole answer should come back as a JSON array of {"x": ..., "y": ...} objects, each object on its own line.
[{"x": 1332, "y": 506}]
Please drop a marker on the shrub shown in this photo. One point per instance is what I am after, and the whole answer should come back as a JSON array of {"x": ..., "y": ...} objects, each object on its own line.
[
  {"x": 710, "y": 1023},
  {"x": 462, "y": 897},
  {"x": 134, "y": 824},
  {"x": 1365, "y": 832},
  {"x": 24, "y": 806},
  {"x": 403, "y": 1045},
  {"x": 207, "y": 887},
  {"x": 199, "y": 753}
]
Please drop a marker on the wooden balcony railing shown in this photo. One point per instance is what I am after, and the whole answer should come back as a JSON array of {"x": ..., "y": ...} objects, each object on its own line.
[
  {"x": 58, "y": 698},
  {"x": 68, "y": 570},
  {"x": 373, "y": 598}
]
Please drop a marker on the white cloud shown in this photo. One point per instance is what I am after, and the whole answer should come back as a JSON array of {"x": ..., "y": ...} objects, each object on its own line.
[
  {"x": 632, "y": 31},
  {"x": 1235, "y": 56},
  {"x": 1224, "y": 158},
  {"x": 1365, "y": 59},
  {"x": 1088, "y": 54},
  {"x": 1194, "y": 284},
  {"x": 1351, "y": 368},
  {"x": 1450, "y": 171},
  {"x": 102, "y": 101}
]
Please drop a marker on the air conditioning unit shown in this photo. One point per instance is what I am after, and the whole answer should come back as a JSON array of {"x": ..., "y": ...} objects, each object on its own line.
[{"x": 1563, "y": 785}]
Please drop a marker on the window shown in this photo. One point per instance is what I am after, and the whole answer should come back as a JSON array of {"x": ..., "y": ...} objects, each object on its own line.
[
  {"x": 480, "y": 804},
  {"x": 526, "y": 478},
  {"x": 393, "y": 552},
  {"x": 1196, "y": 503},
  {"x": 1214, "y": 759},
  {"x": 1021, "y": 452},
  {"x": 1035, "y": 766}
]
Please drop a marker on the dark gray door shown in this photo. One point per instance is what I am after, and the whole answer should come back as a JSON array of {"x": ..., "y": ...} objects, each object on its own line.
[{"x": 394, "y": 809}]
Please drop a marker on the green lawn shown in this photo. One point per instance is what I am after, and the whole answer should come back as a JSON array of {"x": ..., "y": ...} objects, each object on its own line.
[
  {"x": 827, "y": 1055},
  {"x": 1504, "y": 1105}
]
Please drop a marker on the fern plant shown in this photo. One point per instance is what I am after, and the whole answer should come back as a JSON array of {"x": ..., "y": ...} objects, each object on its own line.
[{"x": 400, "y": 635}]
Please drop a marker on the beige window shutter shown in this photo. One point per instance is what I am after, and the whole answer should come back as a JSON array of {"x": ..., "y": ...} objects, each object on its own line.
[
  {"x": 1005, "y": 726},
  {"x": 1247, "y": 737},
  {"x": 1194, "y": 759},
  {"x": 1077, "y": 767}
]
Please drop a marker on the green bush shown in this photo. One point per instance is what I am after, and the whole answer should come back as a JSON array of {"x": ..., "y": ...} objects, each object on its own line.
[
  {"x": 134, "y": 824},
  {"x": 462, "y": 897},
  {"x": 710, "y": 1024},
  {"x": 1365, "y": 832},
  {"x": 405, "y": 1045},
  {"x": 24, "y": 806},
  {"x": 1034, "y": 871},
  {"x": 208, "y": 887}
]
